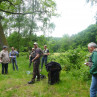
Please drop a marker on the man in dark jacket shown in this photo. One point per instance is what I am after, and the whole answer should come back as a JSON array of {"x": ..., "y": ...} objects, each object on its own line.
[
  {"x": 36, "y": 62},
  {"x": 92, "y": 47}
]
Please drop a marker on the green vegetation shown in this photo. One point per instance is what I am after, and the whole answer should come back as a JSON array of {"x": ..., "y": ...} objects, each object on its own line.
[
  {"x": 19, "y": 24},
  {"x": 74, "y": 81},
  {"x": 25, "y": 20},
  {"x": 55, "y": 44}
]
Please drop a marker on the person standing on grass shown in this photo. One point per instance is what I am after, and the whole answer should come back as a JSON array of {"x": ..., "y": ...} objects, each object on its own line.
[
  {"x": 45, "y": 55},
  {"x": 4, "y": 59},
  {"x": 31, "y": 56},
  {"x": 12, "y": 55},
  {"x": 36, "y": 62},
  {"x": 92, "y": 47}
]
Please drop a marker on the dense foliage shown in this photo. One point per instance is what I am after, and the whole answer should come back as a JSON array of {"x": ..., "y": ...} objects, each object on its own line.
[
  {"x": 72, "y": 61},
  {"x": 26, "y": 20},
  {"x": 55, "y": 44},
  {"x": 23, "y": 22}
]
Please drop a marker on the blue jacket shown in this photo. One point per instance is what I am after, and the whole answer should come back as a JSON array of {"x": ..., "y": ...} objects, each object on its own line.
[{"x": 13, "y": 54}]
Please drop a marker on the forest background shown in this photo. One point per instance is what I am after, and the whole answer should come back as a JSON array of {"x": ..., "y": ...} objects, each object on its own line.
[{"x": 19, "y": 24}]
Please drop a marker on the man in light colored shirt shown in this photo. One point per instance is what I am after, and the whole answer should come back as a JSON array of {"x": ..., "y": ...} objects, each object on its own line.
[
  {"x": 12, "y": 55},
  {"x": 4, "y": 59},
  {"x": 45, "y": 55}
]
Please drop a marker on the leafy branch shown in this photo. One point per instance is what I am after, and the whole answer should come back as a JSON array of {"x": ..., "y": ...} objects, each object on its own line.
[{"x": 22, "y": 13}]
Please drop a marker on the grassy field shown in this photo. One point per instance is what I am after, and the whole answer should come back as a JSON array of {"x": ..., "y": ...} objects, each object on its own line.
[{"x": 15, "y": 84}]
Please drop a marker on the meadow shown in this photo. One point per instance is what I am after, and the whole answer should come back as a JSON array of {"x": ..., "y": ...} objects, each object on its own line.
[{"x": 74, "y": 82}]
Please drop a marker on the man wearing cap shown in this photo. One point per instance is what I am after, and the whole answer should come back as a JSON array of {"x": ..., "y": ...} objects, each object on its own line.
[
  {"x": 45, "y": 54},
  {"x": 36, "y": 62},
  {"x": 4, "y": 59},
  {"x": 12, "y": 55}
]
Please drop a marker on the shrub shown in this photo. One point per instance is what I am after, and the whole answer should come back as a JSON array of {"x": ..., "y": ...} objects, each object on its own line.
[
  {"x": 73, "y": 62},
  {"x": 23, "y": 53}
]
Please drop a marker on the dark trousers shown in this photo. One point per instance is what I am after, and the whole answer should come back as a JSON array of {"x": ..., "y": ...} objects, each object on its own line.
[
  {"x": 4, "y": 68},
  {"x": 14, "y": 62},
  {"x": 36, "y": 70},
  {"x": 44, "y": 60}
]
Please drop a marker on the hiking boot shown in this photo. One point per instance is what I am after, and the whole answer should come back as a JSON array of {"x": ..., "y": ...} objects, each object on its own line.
[{"x": 31, "y": 82}]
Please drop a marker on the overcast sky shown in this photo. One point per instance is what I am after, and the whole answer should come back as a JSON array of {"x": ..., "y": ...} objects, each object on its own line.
[{"x": 76, "y": 15}]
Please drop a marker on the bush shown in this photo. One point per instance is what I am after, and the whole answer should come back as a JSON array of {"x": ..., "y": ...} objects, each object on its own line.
[
  {"x": 61, "y": 59},
  {"x": 73, "y": 62},
  {"x": 23, "y": 53}
]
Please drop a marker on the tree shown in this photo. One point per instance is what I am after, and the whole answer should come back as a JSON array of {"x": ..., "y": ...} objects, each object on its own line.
[
  {"x": 93, "y": 2},
  {"x": 41, "y": 7},
  {"x": 2, "y": 36},
  {"x": 4, "y": 4},
  {"x": 12, "y": 39}
]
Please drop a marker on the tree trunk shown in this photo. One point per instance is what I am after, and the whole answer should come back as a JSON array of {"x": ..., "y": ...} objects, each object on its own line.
[
  {"x": 3, "y": 40},
  {"x": 19, "y": 30}
]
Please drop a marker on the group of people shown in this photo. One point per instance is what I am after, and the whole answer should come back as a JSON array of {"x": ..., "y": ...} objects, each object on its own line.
[
  {"x": 92, "y": 63},
  {"x": 45, "y": 54},
  {"x": 6, "y": 57},
  {"x": 35, "y": 58}
]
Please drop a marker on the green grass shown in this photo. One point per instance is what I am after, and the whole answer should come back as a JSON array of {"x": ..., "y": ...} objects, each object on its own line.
[{"x": 15, "y": 84}]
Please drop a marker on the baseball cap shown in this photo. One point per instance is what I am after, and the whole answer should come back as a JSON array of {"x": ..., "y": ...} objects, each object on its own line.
[
  {"x": 35, "y": 43},
  {"x": 4, "y": 46}
]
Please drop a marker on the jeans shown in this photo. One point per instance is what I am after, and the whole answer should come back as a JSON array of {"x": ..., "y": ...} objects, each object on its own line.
[
  {"x": 14, "y": 61},
  {"x": 4, "y": 66},
  {"x": 44, "y": 59},
  {"x": 93, "y": 88}
]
